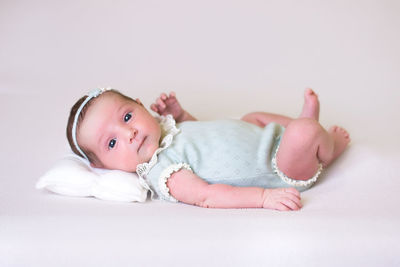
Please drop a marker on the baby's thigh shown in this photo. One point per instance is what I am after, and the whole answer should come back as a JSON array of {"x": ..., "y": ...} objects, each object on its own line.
[{"x": 297, "y": 153}]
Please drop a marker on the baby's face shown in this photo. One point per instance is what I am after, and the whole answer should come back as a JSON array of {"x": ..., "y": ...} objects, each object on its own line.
[{"x": 120, "y": 132}]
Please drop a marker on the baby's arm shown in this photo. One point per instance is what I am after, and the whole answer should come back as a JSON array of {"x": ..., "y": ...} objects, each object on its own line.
[
  {"x": 187, "y": 187},
  {"x": 165, "y": 105}
]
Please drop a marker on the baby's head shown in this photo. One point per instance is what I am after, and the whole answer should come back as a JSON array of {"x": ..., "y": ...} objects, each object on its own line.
[{"x": 112, "y": 131}]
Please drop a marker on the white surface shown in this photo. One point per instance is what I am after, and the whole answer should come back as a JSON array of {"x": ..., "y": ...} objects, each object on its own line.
[{"x": 224, "y": 59}]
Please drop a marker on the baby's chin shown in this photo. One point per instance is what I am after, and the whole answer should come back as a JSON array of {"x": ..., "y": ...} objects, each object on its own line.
[
  {"x": 131, "y": 167},
  {"x": 148, "y": 151}
]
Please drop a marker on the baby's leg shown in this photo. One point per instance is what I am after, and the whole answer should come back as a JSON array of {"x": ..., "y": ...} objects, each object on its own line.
[
  {"x": 263, "y": 118},
  {"x": 310, "y": 110},
  {"x": 305, "y": 144}
]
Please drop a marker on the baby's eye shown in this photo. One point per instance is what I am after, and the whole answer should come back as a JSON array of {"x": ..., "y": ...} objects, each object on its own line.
[
  {"x": 112, "y": 143},
  {"x": 128, "y": 116}
]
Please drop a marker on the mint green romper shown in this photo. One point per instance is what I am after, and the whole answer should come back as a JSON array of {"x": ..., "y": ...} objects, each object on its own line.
[{"x": 230, "y": 152}]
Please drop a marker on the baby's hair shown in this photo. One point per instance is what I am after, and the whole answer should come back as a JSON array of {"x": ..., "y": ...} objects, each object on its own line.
[{"x": 90, "y": 154}]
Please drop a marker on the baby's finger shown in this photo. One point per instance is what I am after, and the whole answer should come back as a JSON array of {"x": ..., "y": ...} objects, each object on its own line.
[
  {"x": 293, "y": 191},
  {"x": 294, "y": 197},
  {"x": 163, "y": 96},
  {"x": 160, "y": 103},
  {"x": 172, "y": 94},
  {"x": 292, "y": 205},
  {"x": 297, "y": 201},
  {"x": 154, "y": 107},
  {"x": 280, "y": 206}
]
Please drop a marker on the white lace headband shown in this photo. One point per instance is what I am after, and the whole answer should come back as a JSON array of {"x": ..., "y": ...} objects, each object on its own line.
[{"x": 94, "y": 93}]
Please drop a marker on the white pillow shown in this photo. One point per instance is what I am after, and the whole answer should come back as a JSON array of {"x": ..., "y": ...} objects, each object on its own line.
[{"x": 73, "y": 176}]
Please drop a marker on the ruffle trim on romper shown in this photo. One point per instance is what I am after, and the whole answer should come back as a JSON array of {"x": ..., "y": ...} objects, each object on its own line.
[
  {"x": 165, "y": 175},
  {"x": 169, "y": 130},
  {"x": 291, "y": 181}
]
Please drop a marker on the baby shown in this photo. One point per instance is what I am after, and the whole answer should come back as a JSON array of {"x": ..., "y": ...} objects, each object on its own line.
[{"x": 260, "y": 161}]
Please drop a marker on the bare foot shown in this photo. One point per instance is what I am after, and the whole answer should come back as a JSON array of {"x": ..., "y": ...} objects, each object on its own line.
[
  {"x": 311, "y": 105},
  {"x": 341, "y": 138}
]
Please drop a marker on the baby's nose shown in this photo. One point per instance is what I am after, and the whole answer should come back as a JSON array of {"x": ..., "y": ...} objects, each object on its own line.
[{"x": 132, "y": 134}]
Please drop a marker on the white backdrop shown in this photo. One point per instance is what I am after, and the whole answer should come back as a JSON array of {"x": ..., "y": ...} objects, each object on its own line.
[{"x": 223, "y": 59}]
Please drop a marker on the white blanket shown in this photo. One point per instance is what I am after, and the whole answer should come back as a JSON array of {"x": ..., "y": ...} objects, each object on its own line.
[{"x": 224, "y": 59}]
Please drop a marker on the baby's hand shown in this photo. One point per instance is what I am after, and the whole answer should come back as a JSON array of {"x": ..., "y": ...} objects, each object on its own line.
[
  {"x": 165, "y": 105},
  {"x": 282, "y": 199}
]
